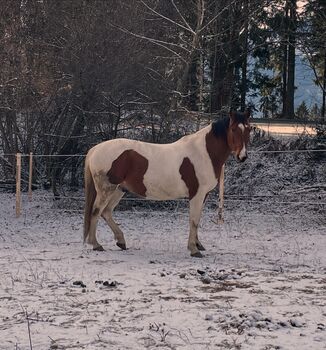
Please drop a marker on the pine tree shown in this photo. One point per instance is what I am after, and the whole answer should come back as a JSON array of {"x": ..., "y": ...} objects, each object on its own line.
[
  {"x": 302, "y": 111},
  {"x": 313, "y": 44},
  {"x": 314, "y": 112}
]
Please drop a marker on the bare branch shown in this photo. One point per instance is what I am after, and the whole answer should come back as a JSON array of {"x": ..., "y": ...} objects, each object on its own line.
[
  {"x": 167, "y": 18},
  {"x": 154, "y": 41},
  {"x": 182, "y": 17}
]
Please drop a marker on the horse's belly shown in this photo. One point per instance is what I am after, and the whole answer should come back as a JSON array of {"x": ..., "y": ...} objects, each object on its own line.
[{"x": 165, "y": 190}]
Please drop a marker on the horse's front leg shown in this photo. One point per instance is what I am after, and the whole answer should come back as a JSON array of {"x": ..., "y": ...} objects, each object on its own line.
[{"x": 196, "y": 207}]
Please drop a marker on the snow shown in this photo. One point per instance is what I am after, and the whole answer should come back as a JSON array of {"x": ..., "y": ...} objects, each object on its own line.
[{"x": 261, "y": 284}]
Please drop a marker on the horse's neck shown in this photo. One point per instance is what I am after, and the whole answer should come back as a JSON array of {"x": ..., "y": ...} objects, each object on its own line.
[{"x": 218, "y": 150}]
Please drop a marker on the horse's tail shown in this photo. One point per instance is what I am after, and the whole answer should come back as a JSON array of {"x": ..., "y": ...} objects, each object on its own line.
[{"x": 90, "y": 195}]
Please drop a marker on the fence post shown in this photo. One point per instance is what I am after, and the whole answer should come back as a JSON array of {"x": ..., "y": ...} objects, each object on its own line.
[
  {"x": 18, "y": 182},
  {"x": 220, "y": 219},
  {"x": 30, "y": 176}
]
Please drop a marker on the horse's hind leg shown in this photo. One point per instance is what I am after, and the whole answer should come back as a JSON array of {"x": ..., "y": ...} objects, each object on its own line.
[
  {"x": 115, "y": 198},
  {"x": 99, "y": 205},
  {"x": 198, "y": 244},
  {"x": 103, "y": 190}
]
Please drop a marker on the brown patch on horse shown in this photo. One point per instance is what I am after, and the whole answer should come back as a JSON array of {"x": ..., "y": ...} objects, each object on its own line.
[
  {"x": 188, "y": 175},
  {"x": 128, "y": 170},
  {"x": 218, "y": 149}
]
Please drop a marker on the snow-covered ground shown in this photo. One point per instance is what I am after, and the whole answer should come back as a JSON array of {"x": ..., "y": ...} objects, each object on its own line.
[{"x": 261, "y": 284}]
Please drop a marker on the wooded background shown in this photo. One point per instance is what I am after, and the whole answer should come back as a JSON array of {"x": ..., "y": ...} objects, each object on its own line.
[{"x": 77, "y": 72}]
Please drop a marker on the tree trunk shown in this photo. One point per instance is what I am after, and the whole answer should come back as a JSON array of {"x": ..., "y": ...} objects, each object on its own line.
[
  {"x": 323, "y": 117},
  {"x": 225, "y": 54},
  {"x": 285, "y": 59},
  {"x": 245, "y": 59},
  {"x": 289, "y": 101}
]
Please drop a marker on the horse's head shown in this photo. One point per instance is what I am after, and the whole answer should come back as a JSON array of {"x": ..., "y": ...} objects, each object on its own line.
[{"x": 238, "y": 134}]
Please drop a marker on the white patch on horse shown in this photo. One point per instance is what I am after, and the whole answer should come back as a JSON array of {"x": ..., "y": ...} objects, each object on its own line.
[
  {"x": 241, "y": 127},
  {"x": 243, "y": 152}
]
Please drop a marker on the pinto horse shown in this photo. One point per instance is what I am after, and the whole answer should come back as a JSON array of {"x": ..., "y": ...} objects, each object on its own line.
[{"x": 187, "y": 168}]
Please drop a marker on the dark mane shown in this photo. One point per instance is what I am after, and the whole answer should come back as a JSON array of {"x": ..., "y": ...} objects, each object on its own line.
[{"x": 220, "y": 127}]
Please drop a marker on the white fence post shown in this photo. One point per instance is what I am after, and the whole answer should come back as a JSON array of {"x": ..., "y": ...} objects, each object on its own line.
[
  {"x": 18, "y": 183},
  {"x": 30, "y": 177},
  {"x": 220, "y": 219}
]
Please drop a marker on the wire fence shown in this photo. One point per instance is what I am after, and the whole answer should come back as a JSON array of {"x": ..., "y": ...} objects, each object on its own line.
[
  {"x": 228, "y": 198},
  {"x": 84, "y": 155},
  {"x": 63, "y": 174}
]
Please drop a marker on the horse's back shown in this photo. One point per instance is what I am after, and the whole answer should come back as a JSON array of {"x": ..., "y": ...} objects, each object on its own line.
[{"x": 155, "y": 171}]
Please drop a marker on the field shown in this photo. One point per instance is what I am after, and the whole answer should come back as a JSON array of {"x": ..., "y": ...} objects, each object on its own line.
[{"x": 261, "y": 284}]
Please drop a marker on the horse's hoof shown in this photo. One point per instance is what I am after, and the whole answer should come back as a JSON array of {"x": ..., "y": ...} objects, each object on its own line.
[
  {"x": 99, "y": 249},
  {"x": 122, "y": 246},
  {"x": 200, "y": 247},
  {"x": 197, "y": 255}
]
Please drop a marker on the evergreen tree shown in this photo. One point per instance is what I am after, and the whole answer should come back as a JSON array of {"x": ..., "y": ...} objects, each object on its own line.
[
  {"x": 302, "y": 111},
  {"x": 313, "y": 39},
  {"x": 314, "y": 112},
  {"x": 273, "y": 37}
]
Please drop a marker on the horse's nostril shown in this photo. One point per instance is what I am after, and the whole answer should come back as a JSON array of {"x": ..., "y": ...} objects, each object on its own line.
[{"x": 242, "y": 159}]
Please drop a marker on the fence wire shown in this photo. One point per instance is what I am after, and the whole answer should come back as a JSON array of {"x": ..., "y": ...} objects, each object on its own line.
[{"x": 63, "y": 176}]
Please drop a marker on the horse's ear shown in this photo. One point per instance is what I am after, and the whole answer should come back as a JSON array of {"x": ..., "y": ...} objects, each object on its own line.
[
  {"x": 247, "y": 113},
  {"x": 232, "y": 116}
]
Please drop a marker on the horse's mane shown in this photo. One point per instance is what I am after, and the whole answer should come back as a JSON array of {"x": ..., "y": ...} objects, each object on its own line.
[{"x": 220, "y": 127}]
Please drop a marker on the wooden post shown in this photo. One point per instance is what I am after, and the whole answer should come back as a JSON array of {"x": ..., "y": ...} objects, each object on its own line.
[
  {"x": 220, "y": 219},
  {"x": 18, "y": 181},
  {"x": 30, "y": 176}
]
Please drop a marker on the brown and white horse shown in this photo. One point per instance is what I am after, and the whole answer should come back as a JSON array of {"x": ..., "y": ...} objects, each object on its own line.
[{"x": 187, "y": 168}]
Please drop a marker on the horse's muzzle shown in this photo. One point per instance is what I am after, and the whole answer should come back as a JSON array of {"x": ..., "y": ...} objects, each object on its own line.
[{"x": 242, "y": 159}]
